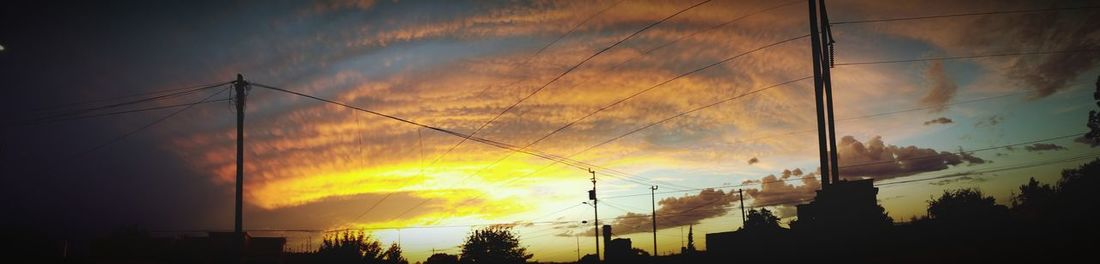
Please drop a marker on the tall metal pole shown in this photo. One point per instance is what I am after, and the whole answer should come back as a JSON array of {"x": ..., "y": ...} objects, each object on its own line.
[
  {"x": 653, "y": 201},
  {"x": 822, "y": 141},
  {"x": 595, "y": 213},
  {"x": 741, "y": 195},
  {"x": 239, "y": 88},
  {"x": 828, "y": 83}
]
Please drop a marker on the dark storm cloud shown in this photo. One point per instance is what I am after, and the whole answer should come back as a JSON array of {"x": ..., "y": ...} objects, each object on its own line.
[
  {"x": 941, "y": 120},
  {"x": 942, "y": 88},
  {"x": 677, "y": 211},
  {"x": 1037, "y": 147},
  {"x": 875, "y": 159}
]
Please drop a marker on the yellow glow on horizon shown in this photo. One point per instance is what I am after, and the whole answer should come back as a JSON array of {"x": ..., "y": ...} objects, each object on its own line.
[{"x": 452, "y": 182}]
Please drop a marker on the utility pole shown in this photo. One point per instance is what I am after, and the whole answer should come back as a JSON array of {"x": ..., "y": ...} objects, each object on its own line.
[
  {"x": 681, "y": 236},
  {"x": 595, "y": 212},
  {"x": 741, "y": 195},
  {"x": 815, "y": 52},
  {"x": 653, "y": 203},
  {"x": 827, "y": 44},
  {"x": 240, "y": 87},
  {"x": 578, "y": 247}
]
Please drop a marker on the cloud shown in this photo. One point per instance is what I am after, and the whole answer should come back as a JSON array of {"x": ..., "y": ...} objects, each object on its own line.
[
  {"x": 677, "y": 211},
  {"x": 753, "y": 160},
  {"x": 990, "y": 121},
  {"x": 1047, "y": 31},
  {"x": 877, "y": 160},
  {"x": 957, "y": 180},
  {"x": 779, "y": 191},
  {"x": 1087, "y": 141},
  {"x": 941, "y": 120},
  {"x": 942, "y": 88},
  {"x": 1037, "y": 147}
]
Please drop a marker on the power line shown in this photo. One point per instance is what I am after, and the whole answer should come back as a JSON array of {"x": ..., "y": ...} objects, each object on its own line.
[
  {"x": 640, "y": 92},
  {"x": 403, "y": 120},
  {"x": 964, "y": 14},
  {"x": 1005, "y": 168},
  {"x": 573, "y": 163},
  {"x": 952, "y": 153},
  {"x": 930, "y": 107},
  {"x": 72, "y": 104},
  {"x": 91, "y": 109},
  {"x": 670, "y": 43},
  {"x": 371, "y": 208},
  {"x": 567, "y": 71},
  {"x": 684, "y": 212},
  {"x": 551, "y": 43},
  {"x": 645, "y": 127},
  {"x": 859, "y": 165},
  {"x": 557, "y": 159},
  {"x": 970, "y": 57},
  {"x": 139, "y": 129},
  {"x": 125, "y": 112},
  {"x": 674, "y": 117},
  {"x": 646, "y": 52},
  {"x": 557, "y": 211},
  {"x": 875, "y": 115}
]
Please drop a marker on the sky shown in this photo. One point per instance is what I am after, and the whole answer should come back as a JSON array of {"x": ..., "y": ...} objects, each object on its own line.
[{"x": 619, "y": 86}]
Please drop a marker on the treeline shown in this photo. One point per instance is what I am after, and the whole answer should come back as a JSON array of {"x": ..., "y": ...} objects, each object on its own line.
[
  {"x": 1042, "y": 223},
  {"x": 493, "y": 244}
]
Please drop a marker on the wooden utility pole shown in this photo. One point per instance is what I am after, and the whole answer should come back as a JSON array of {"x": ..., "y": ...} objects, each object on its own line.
[
  {"x": 595, "y": 212},
  {"x": 653, "y": 201},
  {"x": 239, "y": 87}
]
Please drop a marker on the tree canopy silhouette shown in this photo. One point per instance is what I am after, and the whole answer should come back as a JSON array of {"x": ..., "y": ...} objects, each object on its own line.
[
  {"x": 442, "y": 258},
  {"x": 494, "y": 244},
  {"x": 357, "y": 247},
  {"x": 762, "y": 219},
  {"x": 966, "y": 207}
]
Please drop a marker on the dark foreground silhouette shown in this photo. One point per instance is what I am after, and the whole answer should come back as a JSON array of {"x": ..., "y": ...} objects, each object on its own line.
[{"x": 1043, "y": 223}]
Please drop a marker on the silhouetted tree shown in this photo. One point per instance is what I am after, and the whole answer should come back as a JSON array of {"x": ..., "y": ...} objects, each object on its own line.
[
  {"x": 1076, "y": 197},
  {"x": 762, "y": 219},
  {"x": 494, "y": 244},
  {"x": 966, "y": 207},
  {"x": 393, "y": 255},
  {"x": 1034, "y": 202},
  {"x": 357, "y": 247},
  {"x": 442, "y": 258},
  {"x": 691, "y": 240},
  {"x": 589, "y": 259}
]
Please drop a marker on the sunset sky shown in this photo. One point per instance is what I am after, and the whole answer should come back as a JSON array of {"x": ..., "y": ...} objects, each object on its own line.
[{"x": 457, "y": 65}]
